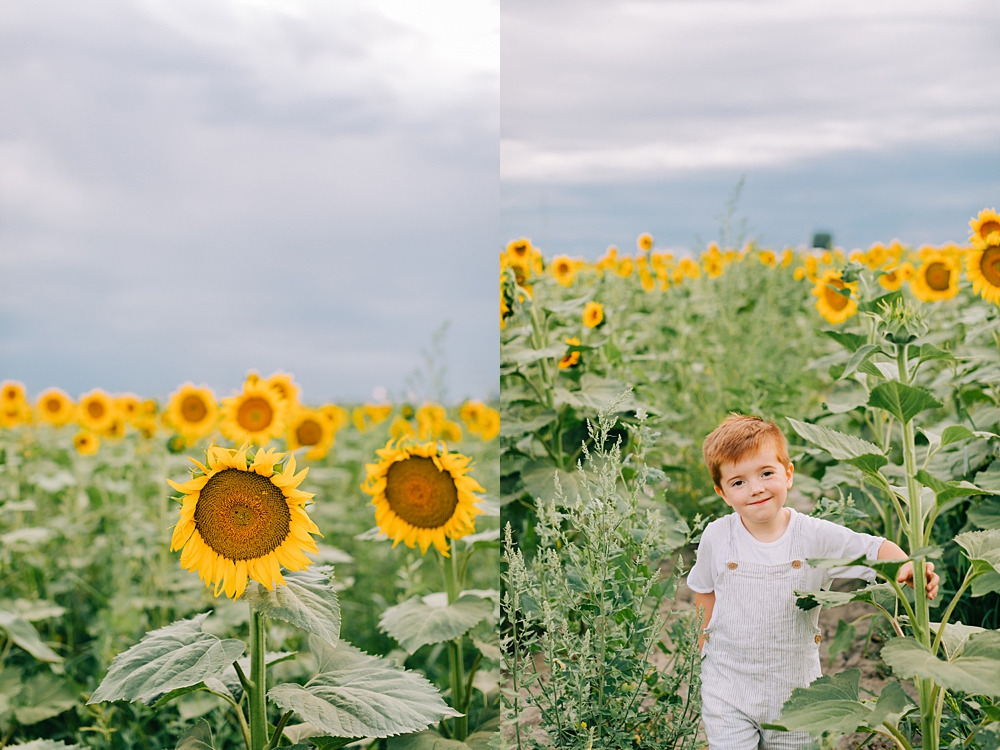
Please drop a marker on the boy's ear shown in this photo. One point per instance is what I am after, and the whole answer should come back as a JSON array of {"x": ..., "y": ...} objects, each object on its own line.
[{"x": 789, "y": 472}]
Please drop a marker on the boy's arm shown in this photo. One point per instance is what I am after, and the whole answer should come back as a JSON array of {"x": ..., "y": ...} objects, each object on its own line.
[
  {"x": 704, "y": 603},
  {"x": 890, "y": 551}
]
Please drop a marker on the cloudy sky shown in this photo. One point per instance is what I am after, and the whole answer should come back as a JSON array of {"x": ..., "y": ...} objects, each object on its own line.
[
  {"x": 193, "y": 188},
  {"x": 873, "y": 119}
]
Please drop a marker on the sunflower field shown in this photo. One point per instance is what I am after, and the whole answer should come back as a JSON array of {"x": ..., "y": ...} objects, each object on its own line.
[
  {"x": 881, "y": 365},
  {"x": 252, "y": 572}
]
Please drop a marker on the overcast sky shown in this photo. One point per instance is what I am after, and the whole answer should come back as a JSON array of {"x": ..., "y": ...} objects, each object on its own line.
[
  {"x": 871, "y": 119},
  {"x": 193, "y": 188}
]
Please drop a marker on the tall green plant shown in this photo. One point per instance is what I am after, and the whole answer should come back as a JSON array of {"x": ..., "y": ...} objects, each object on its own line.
[
  {"x": 939, "y": 657},
  {"x": 583, "y": 641}
]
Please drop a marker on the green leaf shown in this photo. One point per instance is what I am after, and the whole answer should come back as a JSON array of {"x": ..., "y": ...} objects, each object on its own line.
[
  {"x": 955, "y": 636},
  {"x": 521, "y": 356},
  {"x": 987, "y": 583},
  {"x": 859, "y": 358},
  {"x": 511, "y": 427},
  {"x": 23, "y": 634},
  {"x": 198, "y": 737},
  {"x": 426, "y": 740},
  {"x": 955, "y": 433},
  {"x": 986, "y": 515},
  {"x": 890, "y": 707},
  {"x": 299, "y": 733},
  {"x": 42, "y": 698},
  {"x": 331, "y": 743},
  {"x": 929, "y": 353},
  {"x": 875, "y": 305},
  {"x": 838, "y": 444},
  {"x": 981, "y": 547},
  {"x": 945, "y": 491},
  {"x": 307, "y": 600},
  {"x": 976, "y": 670},
  {"x": 420, "y": 621},
  {"x": 902, "y": 401},
  {"x": 363, "y": 696},
  {"x": 44, "y": 745},
  {"x": 569, "y": 306},
  {"x": 881, "y": 594},
  {"x": 830, "y": 704},
  {"x": 842, "y": 640},
  {"x": 176, "y": 656},
  {"x": 852, "y": 341}
]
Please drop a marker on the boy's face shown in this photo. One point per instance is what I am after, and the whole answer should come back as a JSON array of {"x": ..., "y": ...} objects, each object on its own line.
[{"x": 757, "y": 485}]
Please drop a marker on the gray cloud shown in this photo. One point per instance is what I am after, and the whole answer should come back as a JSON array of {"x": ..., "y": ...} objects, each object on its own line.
[{"x": 188, "y": 190}]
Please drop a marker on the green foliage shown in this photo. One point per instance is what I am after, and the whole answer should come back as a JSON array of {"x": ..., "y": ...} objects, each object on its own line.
[
  {"x": 307, "y": 600},
  {"x": 583, "y": 641},
  {"x": 422, "y": 621}
]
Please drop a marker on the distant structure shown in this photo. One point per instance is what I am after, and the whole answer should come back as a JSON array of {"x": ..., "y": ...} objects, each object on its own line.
[{"x": 823, "y": 240}]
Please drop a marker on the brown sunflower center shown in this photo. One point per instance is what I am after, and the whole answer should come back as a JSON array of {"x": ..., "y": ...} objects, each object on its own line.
[
  {"x": 938, "y": 276},
  {"x": 990, "y": 265},
  {"x": 835, "y": 299},
  {"x": 52, "y": 404},
  {"x": 193, "y": 408},
  {"x": 95, "y": 409},
  {"x": 9, "y": 394},
  {"x": 242, "y": 515},
  {"x": 988, "y": 227},
  {"x": 309, "y": 432},
  {"x": 255, "y": 414},
  {"x": 420, "y": 493}
]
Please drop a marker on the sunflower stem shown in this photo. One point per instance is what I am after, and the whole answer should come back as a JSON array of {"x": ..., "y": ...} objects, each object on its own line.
[
  {"x": 461, "y": 728},
  {"x": 258, "y": 683}
]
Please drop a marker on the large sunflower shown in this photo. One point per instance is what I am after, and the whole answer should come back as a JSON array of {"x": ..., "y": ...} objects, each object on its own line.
[
  {"x": 96, "y": 411},
  {"x": 192, "y": 411},
  {"x": 241, "y": 521},
  {"x": 312, "y": 429},
  {"x": 982, "y": 266},
  {"x": 422, "y": 495},
  {"x": 257, "y": 414},
  {"x": 55, "y": 407},
  {"x": 832, "y": 305},
  {"x": 985, "y": 228},
  {"x": 937, "y": 277}
]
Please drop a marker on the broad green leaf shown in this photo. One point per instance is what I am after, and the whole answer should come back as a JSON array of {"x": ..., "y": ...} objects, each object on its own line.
[
  {"x": 426, "y": 740},
  {"x": 521, "y": 356},
  {"x": 569, "y": 306},
  {"x": 987, "y": 583},
  {"x": 330, "y": 743},
  {"x": 43, "y": 697},
  {"x": 44, "y": 745},
  {"x": 416, "y": 623},
  {"x": 842, "y": 640},
  {"x": 891, "y": 705},
  {"x": 176, "y": 656},
  {"x": 23, "y": 634},
  {"x": 986, "y": 515},
  {"x": 363, "y": 696},
  {"x": 875, "y": 305},
  {"x": 830, "y": 704},
  {"x": 945, "y": 491},
  {"x": 852, "y": 341},
  {"x": 955, "y": 433},
  {"x": 902, "y": 401},
  {"x": 299, "y": 733},
  {"x": 838, "y": 444},
  {"x": 858, "y": 358},
  {"x": 870, "y": 463},
  {"x": 228, "y": 683},
  {"x": 489, "y": 539},
  {"x": 982, "y": 547},
  {"x": 539, "y": 483},
  {"x": 976, "y": 670},
  {"x": 955, "y": 636},
  {"x": 307, "y": 600},
  {"x": 198, "y": 737},
  {"x": 881, "y": 594},
  {"x": 990, "y": 479},
  {"x": 929, "y": 353},
  {"x": 511, "y": 427}
]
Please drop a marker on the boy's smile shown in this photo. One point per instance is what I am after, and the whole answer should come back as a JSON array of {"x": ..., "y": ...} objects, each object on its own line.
[{"x": 756, "y": 487}]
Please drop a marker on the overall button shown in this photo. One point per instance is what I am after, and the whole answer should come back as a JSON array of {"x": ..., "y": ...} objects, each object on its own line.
[
  {"x": 796, "y": 564},
  {"x": 732, "y": 566},
  {"x": 818, "y": 638}
]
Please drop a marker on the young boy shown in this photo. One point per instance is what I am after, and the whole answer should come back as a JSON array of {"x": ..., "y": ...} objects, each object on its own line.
[{"x": 757, "y": 645}]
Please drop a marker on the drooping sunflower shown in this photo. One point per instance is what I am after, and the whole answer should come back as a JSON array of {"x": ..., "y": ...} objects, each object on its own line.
[
  {"x": 985, "y": 228},
  {"x": 593, "y": 314},
  {"x": 257, "y": 414},
  {"x": 422, "y": 495},
  {"x": 563, "y": 269},
  {"x": 312, "y": 429},
  {"x": 55, "y": 407},
  {"x": 86, "y": 442},
  {"x": 645, "y": 242},
  {"x": 96, "y": 411},
  {"x": 937, "y": 277},
  {"x": 832, "y": 305},
  {"x": 241, "y": 520},
  {"x": 192, "y": 411},
  {"x": 982, "y": 266}
]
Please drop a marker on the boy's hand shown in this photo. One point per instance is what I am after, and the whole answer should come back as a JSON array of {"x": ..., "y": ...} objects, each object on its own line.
[{"x": 933, "y": 579}]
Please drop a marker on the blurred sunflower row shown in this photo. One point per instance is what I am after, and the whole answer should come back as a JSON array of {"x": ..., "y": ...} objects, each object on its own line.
[
  {"x": 265, "y": 409},
  {"x": 932, "y": 273}
]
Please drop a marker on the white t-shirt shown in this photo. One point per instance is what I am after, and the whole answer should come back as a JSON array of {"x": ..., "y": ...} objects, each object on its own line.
[{"x": 818, "y": 538}]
